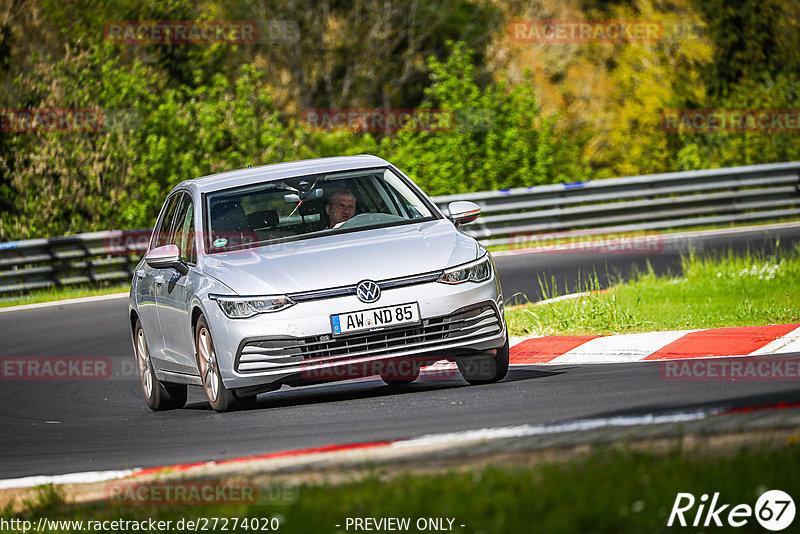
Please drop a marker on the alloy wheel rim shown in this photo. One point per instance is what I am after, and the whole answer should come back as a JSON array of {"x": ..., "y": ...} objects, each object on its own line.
[
  {"x": 208, "y": 366},
  {"x": 143, "y": 359}
]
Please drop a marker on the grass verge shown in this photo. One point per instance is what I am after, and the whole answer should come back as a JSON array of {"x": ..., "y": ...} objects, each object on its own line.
[
  {"x": 609, "y": 490},
  {"x": 714, "y": 291}
]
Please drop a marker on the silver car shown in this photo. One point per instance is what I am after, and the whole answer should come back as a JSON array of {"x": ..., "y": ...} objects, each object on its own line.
[{"x": 307, "y": 272}]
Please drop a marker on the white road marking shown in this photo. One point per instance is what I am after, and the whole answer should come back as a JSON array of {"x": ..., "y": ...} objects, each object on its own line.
[
  {"x": 71, "y": 478},
  {"x": 80, "y": 300},
  {"x": 557, "y": 428}
]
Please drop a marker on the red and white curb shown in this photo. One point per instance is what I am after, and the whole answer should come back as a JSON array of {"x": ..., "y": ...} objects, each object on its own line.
[
  {"x": 648, "y": 346},
  {"x": 657, "y": 346}
]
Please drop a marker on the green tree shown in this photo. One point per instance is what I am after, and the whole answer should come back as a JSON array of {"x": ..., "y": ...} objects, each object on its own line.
[
  {"x": 650, "y": 78},
  {"x": 499, "y": 138},
  {"x": 152, "y": 138},
  {"x": 703, "y": 150},
  {"x": 746, "y": 41}
]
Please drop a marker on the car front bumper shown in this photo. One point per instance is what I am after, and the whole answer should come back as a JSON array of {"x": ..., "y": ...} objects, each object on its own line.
[{"x": 296, "y": 345}]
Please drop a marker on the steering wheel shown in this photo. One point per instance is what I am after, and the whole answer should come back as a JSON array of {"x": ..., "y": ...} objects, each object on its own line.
[
  {"x": 357, "y": 220},
  {"x": 364, "y": 219}
]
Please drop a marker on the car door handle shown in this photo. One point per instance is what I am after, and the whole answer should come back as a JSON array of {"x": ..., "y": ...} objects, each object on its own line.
[
  {"x": 140, "y": 273},
  {"x": 159, "y": 279}
]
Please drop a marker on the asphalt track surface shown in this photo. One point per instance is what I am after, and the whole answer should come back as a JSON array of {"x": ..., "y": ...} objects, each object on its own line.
[{"x": 56, "y": 427}]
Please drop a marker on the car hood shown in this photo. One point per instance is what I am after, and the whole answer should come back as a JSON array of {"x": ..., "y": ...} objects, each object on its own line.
[{"x": 344, "y": 259}]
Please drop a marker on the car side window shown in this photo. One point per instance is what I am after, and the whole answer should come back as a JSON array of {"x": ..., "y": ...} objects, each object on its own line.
[
  {"x": 184, "y": 230},
  {"x": 162, "y": 233}
]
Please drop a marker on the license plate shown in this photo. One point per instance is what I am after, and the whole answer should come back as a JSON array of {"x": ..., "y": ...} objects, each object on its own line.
[{"x": 375, "y": 319}]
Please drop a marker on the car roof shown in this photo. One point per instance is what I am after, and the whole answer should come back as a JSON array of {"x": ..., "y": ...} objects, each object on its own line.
[{"x": 279, "y": 171}]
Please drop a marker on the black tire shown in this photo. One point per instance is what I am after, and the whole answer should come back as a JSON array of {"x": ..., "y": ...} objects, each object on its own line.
[
  {"x": 247, "y": 403},
  {"x": 485, "y": 370},
  {"x": 400, "y": 373},
  {"x": 221, "y": 398},
  {"x": 158, "y": 395}
]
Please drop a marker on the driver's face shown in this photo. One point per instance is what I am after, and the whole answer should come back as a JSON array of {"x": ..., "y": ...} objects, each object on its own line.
[{"x": 340, "y": 208}]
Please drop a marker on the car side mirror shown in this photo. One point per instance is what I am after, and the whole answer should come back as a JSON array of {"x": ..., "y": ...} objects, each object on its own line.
[
  {"x": 463, "y": 212},
  {"x": 168, "y": 256}
]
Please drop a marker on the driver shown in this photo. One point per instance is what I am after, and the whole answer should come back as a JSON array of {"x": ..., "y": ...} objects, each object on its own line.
[{"x": 341, "y": 206}]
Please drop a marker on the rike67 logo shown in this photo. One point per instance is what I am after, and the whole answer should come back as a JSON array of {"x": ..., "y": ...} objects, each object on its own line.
[{"x": 774, "y": 510}]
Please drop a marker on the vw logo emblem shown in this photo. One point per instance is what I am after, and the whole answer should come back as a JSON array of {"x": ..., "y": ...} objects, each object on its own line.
[{"x": 368, "y": 291}]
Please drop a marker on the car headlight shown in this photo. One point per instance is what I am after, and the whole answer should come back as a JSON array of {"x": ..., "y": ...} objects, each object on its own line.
[
  {"x": 479, "y": 270},
  {"x": 244, "y": 307}
]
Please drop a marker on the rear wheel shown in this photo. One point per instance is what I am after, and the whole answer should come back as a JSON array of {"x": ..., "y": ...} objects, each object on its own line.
[
  {"x": 220, "y": 398},
  {"x": 158, "y": 395},
  {"x": 486, "y": 370}
]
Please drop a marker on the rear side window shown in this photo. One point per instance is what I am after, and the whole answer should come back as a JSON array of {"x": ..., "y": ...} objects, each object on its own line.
[{"x": 164, "y": 226}]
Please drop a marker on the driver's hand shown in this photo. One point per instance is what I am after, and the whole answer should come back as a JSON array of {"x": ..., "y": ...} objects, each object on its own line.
[{"x": 337, "y": 225}]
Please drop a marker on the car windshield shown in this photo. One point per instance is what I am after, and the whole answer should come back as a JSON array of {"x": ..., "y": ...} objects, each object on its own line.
[{"x": 310, "y": 206}]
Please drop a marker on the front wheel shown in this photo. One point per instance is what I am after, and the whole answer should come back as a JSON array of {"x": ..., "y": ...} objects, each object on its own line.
[
  {"x": 158, "y": 395},
  {"x": 220, "y": 398},
  {"x": 486, "y": 370}
]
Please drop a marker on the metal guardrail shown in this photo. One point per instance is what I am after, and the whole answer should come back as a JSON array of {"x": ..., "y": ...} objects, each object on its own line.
[
  {"x": 636, "y": 203},
  {"x": 511, "y": 216},
  {"x": 79, "y": 259}
]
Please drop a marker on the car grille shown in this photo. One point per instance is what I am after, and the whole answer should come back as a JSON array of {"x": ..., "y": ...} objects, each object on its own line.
[
  {"x": 465, "y": 325},
  {"x": 342, "y": 291}
]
